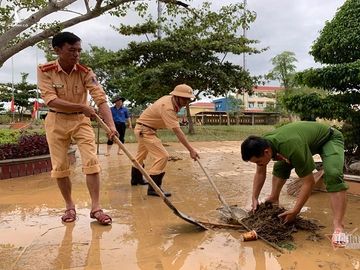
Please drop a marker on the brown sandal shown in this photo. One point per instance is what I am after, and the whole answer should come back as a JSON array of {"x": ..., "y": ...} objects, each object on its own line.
[
  {"x": 69, "y": 216},
  {"x": 101, "y": 217}
]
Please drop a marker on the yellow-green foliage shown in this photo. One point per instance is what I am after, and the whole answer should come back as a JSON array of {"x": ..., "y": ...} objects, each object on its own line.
[{"x": 9, "y": 136}]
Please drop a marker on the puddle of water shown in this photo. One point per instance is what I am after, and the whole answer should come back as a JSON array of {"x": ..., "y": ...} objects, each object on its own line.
[{"x": 145, "y": 233}]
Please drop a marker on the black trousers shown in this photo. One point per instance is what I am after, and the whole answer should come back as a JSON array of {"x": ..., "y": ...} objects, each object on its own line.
[{"x": 120, "y": 127}]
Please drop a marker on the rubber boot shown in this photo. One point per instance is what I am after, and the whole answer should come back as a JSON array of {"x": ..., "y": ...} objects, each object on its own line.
[
  {"x": 158, "y": 181},
  {"x": 137, "y": 177}
]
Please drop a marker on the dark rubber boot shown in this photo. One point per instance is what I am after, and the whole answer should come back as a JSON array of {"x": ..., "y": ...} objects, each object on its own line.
[
  {"x": 137, "y": 177},
  {"x": 158, "y": 181}
]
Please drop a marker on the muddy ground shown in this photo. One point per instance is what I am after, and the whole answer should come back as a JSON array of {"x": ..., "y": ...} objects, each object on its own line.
[{"x": 145, "y": 234}]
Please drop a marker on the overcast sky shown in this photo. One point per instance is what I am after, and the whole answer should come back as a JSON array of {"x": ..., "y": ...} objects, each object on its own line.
[{"x": 281, "y": 25}]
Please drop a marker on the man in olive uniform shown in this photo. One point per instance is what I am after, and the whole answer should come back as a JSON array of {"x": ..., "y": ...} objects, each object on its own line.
[
  {"x": 161, "y": 114},
  {"x": 64, "y": 86},
  {"x": 292, "y": 147}
]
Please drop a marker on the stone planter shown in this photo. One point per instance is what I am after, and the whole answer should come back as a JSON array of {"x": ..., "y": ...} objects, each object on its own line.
[{"x": 11, "y": 168}]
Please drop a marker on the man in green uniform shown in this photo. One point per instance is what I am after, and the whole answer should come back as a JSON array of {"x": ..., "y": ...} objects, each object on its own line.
[{"x": 292, "y": 147}]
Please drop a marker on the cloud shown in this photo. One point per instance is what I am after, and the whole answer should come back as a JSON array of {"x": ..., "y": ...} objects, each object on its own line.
[{"x": 288, "y": 26}]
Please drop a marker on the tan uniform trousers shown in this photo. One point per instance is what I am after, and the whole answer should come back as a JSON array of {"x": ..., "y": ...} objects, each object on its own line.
[
  {"x": 60, "y": 129},
  {"x": 149, "y": 143}
]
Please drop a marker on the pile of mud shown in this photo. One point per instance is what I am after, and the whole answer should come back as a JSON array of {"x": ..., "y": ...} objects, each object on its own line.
[{"x": 269, "y": 226}]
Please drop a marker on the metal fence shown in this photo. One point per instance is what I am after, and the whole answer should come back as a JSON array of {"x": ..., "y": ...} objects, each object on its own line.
[{"x": 236, "y": 120}]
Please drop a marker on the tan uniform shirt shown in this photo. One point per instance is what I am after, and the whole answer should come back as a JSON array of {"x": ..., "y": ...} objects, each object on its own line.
[
  {"x": 54, "y": 82},
  {"x": 161, "y": 114}
]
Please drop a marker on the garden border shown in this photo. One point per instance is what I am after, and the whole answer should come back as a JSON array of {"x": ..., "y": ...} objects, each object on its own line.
[{"x": 12, "y": 168}]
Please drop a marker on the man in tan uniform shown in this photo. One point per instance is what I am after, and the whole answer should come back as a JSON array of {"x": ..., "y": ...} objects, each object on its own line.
[
  {"x": 161, "y": 114},
  {"x": 64, "y": 86}
]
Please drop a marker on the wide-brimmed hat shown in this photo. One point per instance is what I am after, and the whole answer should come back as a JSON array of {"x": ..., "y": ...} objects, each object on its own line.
[
  {"x": 117, "y": 98},
  {"x": 183, "y": 90}
]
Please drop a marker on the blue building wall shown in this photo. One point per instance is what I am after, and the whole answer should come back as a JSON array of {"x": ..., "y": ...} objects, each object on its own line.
[{"x": 222, "y": 105}]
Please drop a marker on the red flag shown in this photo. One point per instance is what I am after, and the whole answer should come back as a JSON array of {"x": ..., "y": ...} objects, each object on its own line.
[
  {"x": 36, "y": 105},
  {"x": 12, "y": 106},
  {"x": 35, "y": 109}
]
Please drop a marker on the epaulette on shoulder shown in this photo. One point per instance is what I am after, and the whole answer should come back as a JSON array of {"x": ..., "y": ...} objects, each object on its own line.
[
  {"x": 47, "y": 67},
  {"x": 83, "y": 68}
]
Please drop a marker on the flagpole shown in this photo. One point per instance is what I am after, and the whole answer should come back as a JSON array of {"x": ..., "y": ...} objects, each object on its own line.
[
  {"x": 244, "y": 35},
  {"x": 159, "y": 10},
  {"x": 12, "y": 87},
  {"x": 37, "y": 89}
]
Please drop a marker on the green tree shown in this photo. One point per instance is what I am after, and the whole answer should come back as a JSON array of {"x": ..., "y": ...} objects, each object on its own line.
[
  {"x": 338, "y": 48},
  {"x": 299, "y": 102},
  {"x": 234, "y": 104},
  {"x": 101, "y": 61},
  {"x": 17, "y": 34},
  {"x": 23, "y": 93},
  {"x": 284, "y": 69},
  {"x": 192, "y": 51}
]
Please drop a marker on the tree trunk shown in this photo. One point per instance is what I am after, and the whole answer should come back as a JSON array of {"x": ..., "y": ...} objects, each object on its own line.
[{"x": 189, "y": 118}]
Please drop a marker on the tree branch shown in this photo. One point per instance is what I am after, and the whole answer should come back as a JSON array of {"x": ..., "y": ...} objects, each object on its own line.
[
  {"x": 8, "y": 52},
  {"x": 87, "y": 5},
  {"x": 9, "y": 35},
  {"x": 54, "y": 6},
  {"x": 72, "y": 11}
]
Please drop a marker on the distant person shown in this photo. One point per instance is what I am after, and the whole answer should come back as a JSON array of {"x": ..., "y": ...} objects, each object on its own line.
[
  {"x": 64, "y": 86},
  {"x": 161, "y": 114},
  {"x": 292, "y": 147},
  {"x": 120, "y": 115}
]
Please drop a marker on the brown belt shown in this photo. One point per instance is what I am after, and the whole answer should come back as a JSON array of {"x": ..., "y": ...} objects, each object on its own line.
[
  {"x": 67, "y": 113},
  {"x": 141, "y": 124}
]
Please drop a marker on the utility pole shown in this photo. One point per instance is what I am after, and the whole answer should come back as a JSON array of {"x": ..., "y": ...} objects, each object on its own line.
[
  {"x": 159, "y": 9},
  {"x": 244, "y": 35},
  {"x": 12, "y": 89},
  {"x": 37, "y": 88}
]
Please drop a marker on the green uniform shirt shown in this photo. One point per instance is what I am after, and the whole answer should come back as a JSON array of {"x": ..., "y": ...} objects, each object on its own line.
[{"x": 298, "y": 142}]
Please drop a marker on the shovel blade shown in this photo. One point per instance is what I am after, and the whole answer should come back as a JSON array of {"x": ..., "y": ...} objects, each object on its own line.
[
  {"x": 182, "y": 215},
  {"x": 235, "y": 212},
  {"x": 238, "y": 212},
  {"x": 190, "y": 220}
]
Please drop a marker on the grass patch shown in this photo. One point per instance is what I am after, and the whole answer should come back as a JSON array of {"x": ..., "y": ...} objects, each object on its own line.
[{"x": 202, "y": 133}]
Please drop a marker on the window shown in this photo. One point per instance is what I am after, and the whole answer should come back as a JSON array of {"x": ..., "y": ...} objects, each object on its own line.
[{"x": 251, "y": 104}]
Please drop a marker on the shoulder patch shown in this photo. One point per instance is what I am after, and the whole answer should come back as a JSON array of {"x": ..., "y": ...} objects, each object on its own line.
[
  {"x": 47, "y": 67},
  {"x": 83, "y": 68}
]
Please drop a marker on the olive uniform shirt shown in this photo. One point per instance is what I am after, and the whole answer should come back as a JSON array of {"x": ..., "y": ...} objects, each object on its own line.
[{"x": 297, "y": 142}]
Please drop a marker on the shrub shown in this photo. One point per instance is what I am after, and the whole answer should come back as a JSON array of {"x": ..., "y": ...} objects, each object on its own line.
[
  {"x": 5, "y": 119},
  {"x": 282, "y": 123},
  {"x": 9, "y": 136},
  {"x": 28, "y": 145}
]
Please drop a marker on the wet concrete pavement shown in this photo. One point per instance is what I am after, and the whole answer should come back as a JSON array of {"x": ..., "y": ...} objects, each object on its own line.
[{"x": 145, "y": 234}]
